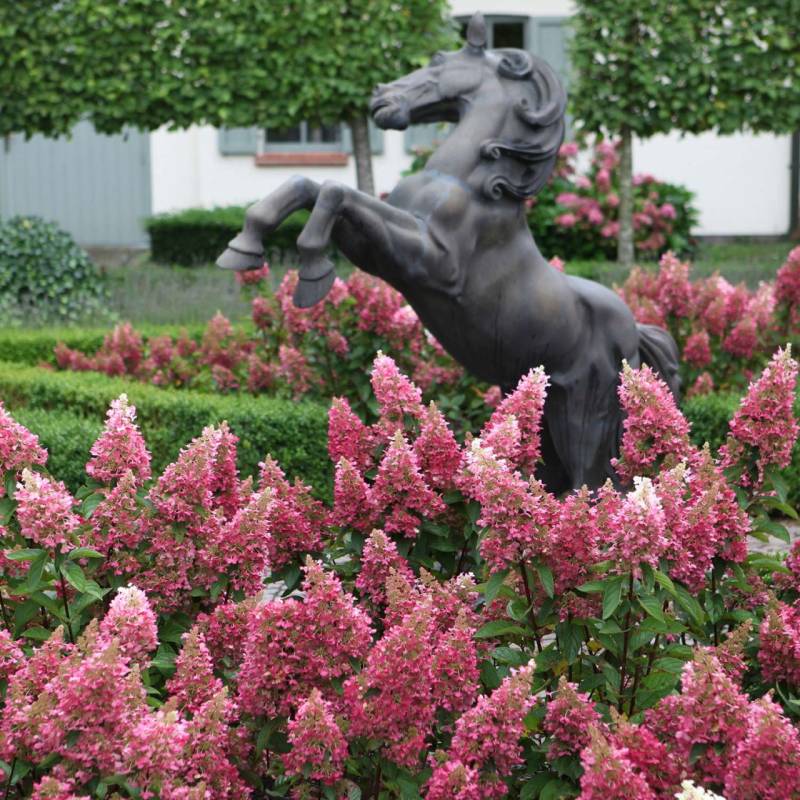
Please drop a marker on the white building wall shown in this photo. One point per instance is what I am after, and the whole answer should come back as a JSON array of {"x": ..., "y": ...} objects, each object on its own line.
[{"x": 741, "y": 182}]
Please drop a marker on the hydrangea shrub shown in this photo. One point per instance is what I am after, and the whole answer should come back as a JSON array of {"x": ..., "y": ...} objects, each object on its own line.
[{"x": 446, "y": 629}]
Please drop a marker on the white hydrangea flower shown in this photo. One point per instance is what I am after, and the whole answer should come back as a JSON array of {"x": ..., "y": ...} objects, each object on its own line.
[{"x": 691, "y": 792}]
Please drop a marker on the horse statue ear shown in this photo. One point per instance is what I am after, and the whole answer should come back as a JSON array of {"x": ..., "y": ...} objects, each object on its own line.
[{"x": 476, "y": 33}]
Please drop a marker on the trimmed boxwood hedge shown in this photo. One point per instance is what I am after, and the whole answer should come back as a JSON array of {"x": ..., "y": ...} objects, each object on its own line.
[
  {"x": 199, "y": 235},
  {"x": 68, "y": 438},
  {"x": 36, "y": 346},
  {"x": 294, "y": 433}
]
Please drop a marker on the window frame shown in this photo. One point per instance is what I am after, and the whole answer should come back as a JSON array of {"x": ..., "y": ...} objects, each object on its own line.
[{"x": 265, "y": 147}]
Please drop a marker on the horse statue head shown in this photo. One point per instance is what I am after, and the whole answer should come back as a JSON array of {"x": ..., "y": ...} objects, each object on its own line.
[{"x": 516, "y": 93}]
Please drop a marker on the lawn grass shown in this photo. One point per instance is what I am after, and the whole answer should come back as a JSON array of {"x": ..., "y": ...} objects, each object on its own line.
[
  {"x": 746, "y": 261},
  {"x": 144, "y": 292}
]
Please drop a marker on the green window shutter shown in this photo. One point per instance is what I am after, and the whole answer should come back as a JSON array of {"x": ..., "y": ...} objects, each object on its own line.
[
  {"x": 549, "y": 40},
  {"x": 238, "y": 141},
  {"x": 375, "y": 139},
  {"x": 426, "y": 137}
]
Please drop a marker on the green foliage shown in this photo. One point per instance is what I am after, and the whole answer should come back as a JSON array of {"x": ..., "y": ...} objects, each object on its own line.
[
  {"x": 36, "y": 346},
  {"x": 693, "y": 66},
  {"x": 152, "y": 62},
  {"x": 295, "y": 433},
  {"x": 198, "y": 235},
  {"x": 45, "y": 276}
]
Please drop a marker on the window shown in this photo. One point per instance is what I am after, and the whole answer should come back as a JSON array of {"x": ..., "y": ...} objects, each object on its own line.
[
  {"x": 304, "y": 137},
  {"x": 502, "y": 31}
]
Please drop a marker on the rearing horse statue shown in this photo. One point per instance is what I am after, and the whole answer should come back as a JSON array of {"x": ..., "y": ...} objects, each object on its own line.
[{"x": 454, "y": 240}]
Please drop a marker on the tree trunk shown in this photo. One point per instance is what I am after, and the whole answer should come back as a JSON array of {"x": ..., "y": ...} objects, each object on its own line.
[
  {"x": 625, "y": 250},
  {"x": 362, "y": 154}
]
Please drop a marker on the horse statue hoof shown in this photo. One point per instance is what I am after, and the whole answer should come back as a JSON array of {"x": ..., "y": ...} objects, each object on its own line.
[
  {"x": 237, "y": 260},
  {"x": 309, "y": 292}
]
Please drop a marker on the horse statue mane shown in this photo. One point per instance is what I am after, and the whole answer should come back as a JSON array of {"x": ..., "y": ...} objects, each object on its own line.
[
  {"x": 453, "y": 238},
  {"x": 539, "y": 106}
]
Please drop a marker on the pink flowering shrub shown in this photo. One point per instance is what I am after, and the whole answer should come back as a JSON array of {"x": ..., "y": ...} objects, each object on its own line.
[
  {"x": 725, "y": 333},
  {"x": 317, "y": 353},
  {"x": 576, "y": 215},
  {"x": 447, "y": 628}
]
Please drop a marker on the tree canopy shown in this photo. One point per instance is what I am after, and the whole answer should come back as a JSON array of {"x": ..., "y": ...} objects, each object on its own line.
[
  {"x": 148, "y": 63},
  {"x": 698, "y": 65}
]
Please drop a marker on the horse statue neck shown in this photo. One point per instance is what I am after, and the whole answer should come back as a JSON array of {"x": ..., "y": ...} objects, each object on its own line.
[{"x": 481, "y": 119}]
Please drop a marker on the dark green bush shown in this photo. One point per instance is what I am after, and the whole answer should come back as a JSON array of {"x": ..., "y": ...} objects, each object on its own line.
[
  {"x": 36, "y": 346},
  {"x": 68, "y": 438},
  {"x": 45, "y": 277},
  {"x": 295, "y": 433},
  {"x": 199, "y": 235}
]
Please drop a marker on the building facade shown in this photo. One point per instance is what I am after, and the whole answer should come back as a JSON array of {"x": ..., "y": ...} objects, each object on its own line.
[{"x": 741, "y": 182}]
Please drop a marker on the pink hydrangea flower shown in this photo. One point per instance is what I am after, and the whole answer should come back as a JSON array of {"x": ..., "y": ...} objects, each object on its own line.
[
  {"x": 705, "y": 718},
  {"x": 764, "y": 424},
  {"x": 766, "y": 761},
  {"x": 193, "y": 684},
  {"x": 517, "y": 513},
  {"x": 318, "y": 745},
  {"x": 702, "y": 386},
  {"x": 452, "y": 780},
  {"x": 697, "y": 349},
  {"x": 608, "y": 773},
  {"x": 569, "y": 718},
  {"x": 120, "y": 447},
  {"x": 379, "y": 559},
  {"x": 45, "y": 510},
  {"x": 295, "y": 520},
  {"x": 397, "y": 397},
  {"x": 11, "y": 656},
  {"x": 400, "y": 492},
  {"x": 654, "y": 429},
  {"x": 487, "y": 736},
  {"x": 526, "y": 404},
  {"x": 294, "y": 646},
  {"x": 779, "y": 655},
  {"x": 390, "y": 698},
  {"x": 131, "y": 622},
  {"x": 18, "y": 446},
  {"x": 787, "y": 282},
  {"x": 638, "y": 530},
  {"x": 349, "y": 437},
  {"x": 742, "y": 341},
  {"x": 437, "y": 451}
]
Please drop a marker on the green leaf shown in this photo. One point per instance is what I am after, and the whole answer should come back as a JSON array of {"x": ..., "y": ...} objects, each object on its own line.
[
  {"x": 546, "y": 577},
  {"x": 557, "y": 789},
  {"x": 690, "y": 605},
  {"x": 38, "y": 633},
  {"x": 493, "y": 585},
  {"x": 74, "y": 576},
  {"x": 665, "y": 582},
  {"x": 83, "y": 552},
  {"x": 498, "y": 627},
  {"x": 612, "y": 595},
  {"x": 89, "y": 505},
  {"x": 652, "y": 605},
  {"x": 26, "y": 554}
]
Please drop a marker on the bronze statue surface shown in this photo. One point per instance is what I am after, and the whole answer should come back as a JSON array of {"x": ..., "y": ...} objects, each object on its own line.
[{"x": 454, "y": 240}]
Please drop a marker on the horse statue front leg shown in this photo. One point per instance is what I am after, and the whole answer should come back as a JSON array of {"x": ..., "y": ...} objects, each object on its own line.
[
  {"x": 375, "y": 236},
  {"x": 246, "y": 250}
]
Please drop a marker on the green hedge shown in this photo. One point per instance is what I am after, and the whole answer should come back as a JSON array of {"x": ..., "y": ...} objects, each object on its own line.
[
  {"x": 36, "y": 346},
  {"x": 293, "y": 433},
  {"x": 68, "y": 438},
  {"x": 199, "y": 235}
]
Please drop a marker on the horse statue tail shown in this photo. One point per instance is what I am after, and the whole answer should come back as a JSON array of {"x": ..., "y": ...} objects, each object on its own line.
[{"x": 658, "y": 350}]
